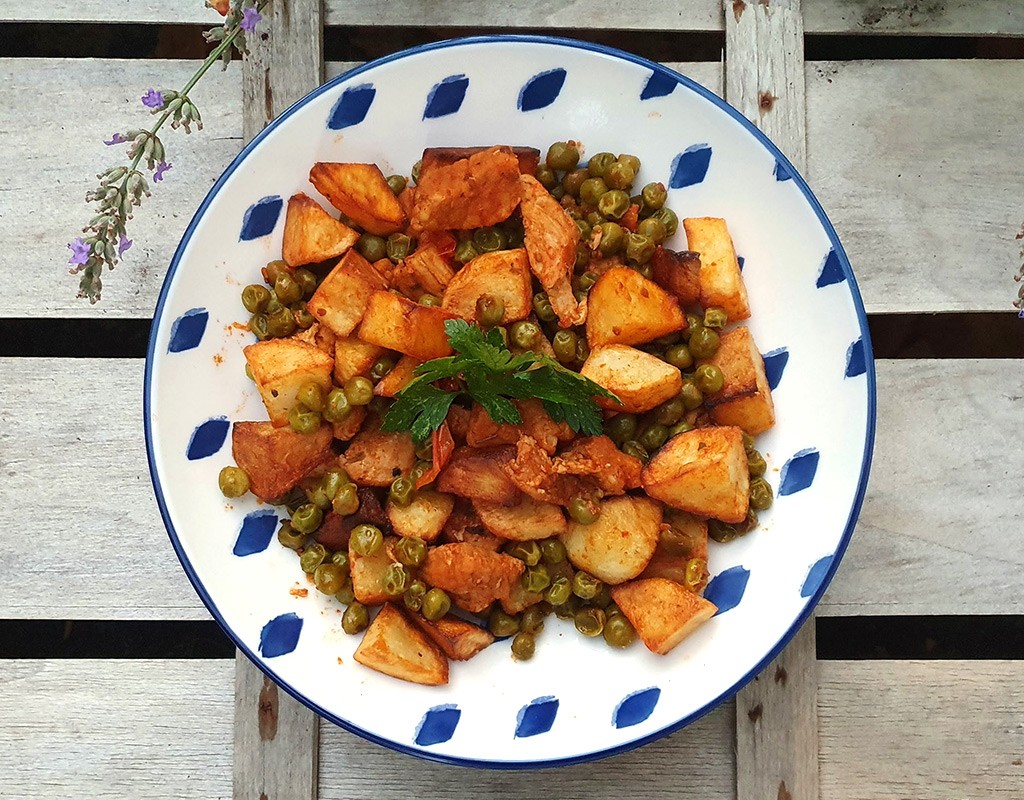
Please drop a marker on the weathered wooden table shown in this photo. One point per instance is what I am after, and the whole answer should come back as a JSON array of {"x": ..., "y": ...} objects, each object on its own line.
[{"x": 920, "y": 164}]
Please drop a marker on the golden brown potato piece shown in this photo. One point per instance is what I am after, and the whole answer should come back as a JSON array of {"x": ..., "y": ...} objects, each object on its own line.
[
  {"x": 465, "y": 526},
  {"x": 311, "y": 234},
  {"x": 368, "y": 572},
  {"x": 519, "y": 599},
  {"x": 354, "y": 357},
  {"x": 623, "y": 307},
  {"x": 703, "y": 471},
  {"x": 663, "y": 612},
  {"x": 360, "y": 192},
  {"x": 474, "y": 577},
  {"x": 522, "y": 522},
  {"x": 473, "y": 192},
  {"x": 532, "y": 472},
  {"x": 396, "y": 323},
  {"x": 399, "y": 377},
  {"x": 424, "y": 518},
  {"x": 551, "y": 239},
  {"x": 619, "y": 543},
  {"x": 351, "y": 425},
  {"x": 678, "y": 273},
  {"x": 598, "y": 457},
  {"x": 537, "y": 423},
  {"x": 376, "y": 458},
  {"x": 458, "y": 639},
  {"x": 640, "y": 380},
  {"x": 275, "y": 459},
  {"x": 395, "y": 646},
  {"x": 504, "y": 275},
  {"x": 280, "y": 367},
  {"x": 683, "y": 537},
  {"x": 745, "y": 399},
  {"x": 479, "y": 474},
  {"x": 422, "y": 272},
  {"x": 528, "y": 157},
  {"x": 341, "y": 298},
  {"x": 721, "y": 283}
]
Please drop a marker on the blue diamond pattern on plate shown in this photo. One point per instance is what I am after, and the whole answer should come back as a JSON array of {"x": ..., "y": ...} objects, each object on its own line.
[
  {"x": 831, "y": 270},
  {"x": 726, "y": 589},
  {"x": 741, "y": 261},
  {"x": 438, "y": 725},
  {"x": 541, "y": 90},
  {"x": 690, "y": 166},
  {"x": 187, "y": 330},
  {"x": 446, "y": 97},
  {"x": 798, "y": 472},
  {"x": 256, "y": 532},
  {"x": 207, "y": 438},
  {"x": 280, "y": 636},
  {"x": 855, "y": 364},
  {"x": 261, "y": 218},
  {"x": 774, "y": 365},
  {"x": 658, "y": 85},
  {"x": 536, "y": 717},
  {"x": 815, "y": 575},
  {"x": 352, "y": 106},
  {"x": 782, "y": 173},
  {"x": 635, "y": 707}
]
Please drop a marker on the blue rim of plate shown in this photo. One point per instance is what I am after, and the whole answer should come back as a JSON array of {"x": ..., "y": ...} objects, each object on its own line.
[{"x": 868, "y": 361}]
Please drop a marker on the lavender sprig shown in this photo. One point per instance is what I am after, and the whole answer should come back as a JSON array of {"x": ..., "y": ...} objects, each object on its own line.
[{"x": 122, "y": 188}]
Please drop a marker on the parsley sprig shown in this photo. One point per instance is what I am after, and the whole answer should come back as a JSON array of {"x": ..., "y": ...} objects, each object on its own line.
[{"x": 493, "y": 376}]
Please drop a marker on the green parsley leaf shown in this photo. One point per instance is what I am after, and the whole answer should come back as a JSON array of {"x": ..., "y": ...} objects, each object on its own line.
[{"x": 421, "y": 409}]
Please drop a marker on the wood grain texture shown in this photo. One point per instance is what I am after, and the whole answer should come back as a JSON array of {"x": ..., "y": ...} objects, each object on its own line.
[
  {"x": 930, "y": 540},
  {"x": 916, "y": 17},
  {"x": 277, "y": 739}
]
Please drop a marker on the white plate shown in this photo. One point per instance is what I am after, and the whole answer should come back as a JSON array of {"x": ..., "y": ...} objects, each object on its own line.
[{"x": 577, "y": 699}]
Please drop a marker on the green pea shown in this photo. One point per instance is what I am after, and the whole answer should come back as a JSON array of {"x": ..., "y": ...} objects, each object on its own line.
[
  {"x": 337, "y": 408},
  {"x": 359, "y": 391},
  {"x": 398, "y": 246},
  {"x": 748, "y": 441},
  {"x": 396, "y": 183},
  {"x": 582, "y": 349},
  {"x": 709, "y": 378},
  {"x": 589, "y": 621},
  {"x": 583, "y": 511},
  {"x": 587, "y": 280},
  {"x": 273, "y": 269},
  {"x": 693, "y": 323},
  {"x": 564, "y": 345},
  {"x": 402, "y": 491},
  {"x": 647, "y": 270},
  {"x": 307, "y": 518},
  {"x": 559, "y": 591},
  {"x": 621, "y": 428},
  {"x": 613, "y": 203},
  {"x": 585, "y": 586},
  {"x": 366, "y": 539},
  {"x": 414, "y": 594},
  {"x": 381, "y": 367},
  {"x": 572, "y": 181},
  {"x": 553, "y": 551},
  {"x": 346, "y": 501},
  {"x": 654, "y": 196},
  {"x": 431, "y": 300},
  {"x": 524, "y": 334},
  {"x": 536, "y": 579},
  {"x": 599, "y": 164},
  {"x": 595, "y": 219},
  {"x": 760, "y": 494},
  {"x": 303, "y": 420},
  {"x": 629, "y": 160},
  {"x": 715, "y": 317},
  {"x": 312, "y": 557},
  {"x": 563, "y": 156},
  {"x": 591, "y": 190},
  {"x": 546, "y": 176},
  {"x": 653, "y": 229},
  {"x": 695, "y": 571},
  {"x": 691, "y": 396},
  {"x": 316, "y": 495},
  {"x": 303, "y": 319},
  {"x": 281, "y": 323},
  {"x": 670, "y": 412},
  {"x": 502, "y": 624},
  {"x": 678, "y": 428},
  {"x": 346, "y": 595},
  {"x": 668, "y": 219},
  {"x": 704, "y": 343},
  {"x": 635, "y": 449},
  {"x": 748, "y": 524},
  {"x": 582, "y": 256},
  {"x": 488, "y": 240},
  {"x": 233, "y": 481},
  {"x": 465, "y": 251},
  {"x": 527, "y": 552},
  {"x": 523, "y": 646},
  {"x": 329, "y": 578},
  {"x": 679, "y": 356},
  {"x": 532, "y": 620},
  {"x": 436, "y": 604},
  {"x": 756, "y": 464},
  {"x": 620, "y": 175},
  {"x": 653, "y": 436},
  {"x": 721, "y": 531},
  {"x": 411, "y": 551},
  {"x": 273, "y": 305},
  {"x": 311, "y": 395},
  {"x": 396, "y": 579},
  {"x": 340, "y": 558},
  {"x": 255, "y": 298},
  {"x": 668, "y": 339},
  {"x": 419, "y": 469},
  {"x": 424, "y": 450},
  {"x": 355, "y": 619},
  {"x": 306, "y": 281},
  {"x": 289, "y": 537},
  {"x": 639, "y": 248},
  {"x": 371, "y": 247},
  {"x": 542, "y": 307},
  {"x": 490, "y": 310},
  {"x": 287, "y": 289},
  {"x": 618, "y": 631},
  {"x": 558, "y": 192}
]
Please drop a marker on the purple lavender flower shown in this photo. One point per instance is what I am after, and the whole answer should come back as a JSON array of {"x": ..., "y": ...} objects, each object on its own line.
[
  {"x": 123, "y": 244},
  {"x": 79, "y": 252},
  {"x": 117, "y": 138},
  {"x": 250, "y": 18},
  {"x": 158, "y": 173},
  {"x": 153, "y": 99}
]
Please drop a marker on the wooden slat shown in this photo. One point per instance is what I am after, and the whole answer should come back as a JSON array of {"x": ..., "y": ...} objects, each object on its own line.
[
  {"x": 149, "y": 730},
  {"x": 277, "y": 739},
  {"x": 932, "y": 537},
  {"x": 951, "y": 17}
]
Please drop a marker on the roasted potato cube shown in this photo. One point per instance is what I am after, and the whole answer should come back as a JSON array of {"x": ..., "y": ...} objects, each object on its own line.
[
  {"x": 703, "y": 471},
  {"x": 376, "y": 458},
  {"x": 465, "y": 526},
  {"x": 479, "y": 474},
  {"x": 399, "y": 377},
  {"x": 526, "y": 520},
  {"x": 368, "y": 572},
  {"x": 504, "y": 275},
  {"x": 640, "y": 380},
  {"x": 360, "y": 192},
  {"x": 623, "y": 307},
  {"x": 474, "y": 577},
  {"x": 311, "y": 234},
  {"x": 458, "y": 639},
  {"x": 599, "y": 458},
  {"x": 527, "y": 157},
  {"x": 395, "y": 646},
  {"x": 678, "y": 273},
  {"x": 399, "y": 324},
  {"x": 424, "y": 518},
  {"x": 280, "y": 367},
  {"x": 423, "y": 271},
  {"x": 537, "y": 423},
  {"x": 473, "y": 192},
  {"x": 341, "y": 298},
  {"x": 745, "y": 399},
  {"x": 351, "y": 425},
  {"x": 275, "y": 459},
  {"x": 354, "y": 357},
  {"x": 721, "y": 283},
  {"x": 619, "y": 543},
  {"x": 663, "y": 612},
  {"x": 532, "y": 471}
]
